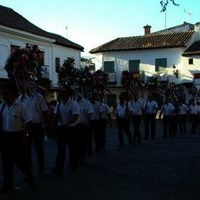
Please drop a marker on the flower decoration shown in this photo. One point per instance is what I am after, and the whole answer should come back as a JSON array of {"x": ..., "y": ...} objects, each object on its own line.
[
  {"x": 126, "y": 79},
  {"x": 86, "y": 82},
  {"x": 175, "y": 92},
  {"x": 82, "y": 81},
  {"x": 68, "y": 74},
  {"x": 152, "y": 82},
  {"x": 23, "y": 65},
  {"x": 131, "y": 81},
  {"x": 100, "y": 79}
]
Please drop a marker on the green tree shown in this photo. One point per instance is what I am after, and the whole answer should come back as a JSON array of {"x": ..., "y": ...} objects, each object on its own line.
[{"x": 164, "y": 4}]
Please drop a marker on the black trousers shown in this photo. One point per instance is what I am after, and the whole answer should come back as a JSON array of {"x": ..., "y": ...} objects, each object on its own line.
[
  {"x": 149, "y": 121},
  {"x": 123, "y": 127},
  {"x": 37, "y": 139},
  {"x": 103, "y": 126},
  {"x": 96, "y": 132},
  {"x": 194, "y": 122},
  {"x": 14, "y": 152},
  {"x": 182, "y": 124},
  {"x": 167, "y": 126},
  {"x": 61, "y": 141},
  {"x": 136, "y": 120}
]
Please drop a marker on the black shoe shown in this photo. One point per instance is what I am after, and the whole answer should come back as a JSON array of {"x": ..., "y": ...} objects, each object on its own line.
[{"x": 56, "y": 172}]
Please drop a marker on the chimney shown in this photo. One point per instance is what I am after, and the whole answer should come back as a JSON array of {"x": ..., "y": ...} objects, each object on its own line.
[
  {"x": 147, "y": 30},
  {"x": 197, "y": 27}
]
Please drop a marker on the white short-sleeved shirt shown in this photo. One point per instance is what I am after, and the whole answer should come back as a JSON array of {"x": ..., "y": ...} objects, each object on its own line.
[
  {"x": 37, "y": 105},
  {"x": 15, "y": 117},
  {"x": 96, "y": 107},
  {"x": 183, "y": 109},
  {"x": 86, "y": 109},
  {"x": 137, "y": 107},
  {"x": 122, "y": 109},
  {"x": 104, "y": 109},
  {"x": 66, "y": 111},
  {"x": 151, "y": 107},
  {"x": 167, "y": 109}
]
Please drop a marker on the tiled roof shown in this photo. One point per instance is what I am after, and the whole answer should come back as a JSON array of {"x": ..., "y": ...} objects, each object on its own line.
[
  {"x": 10, "y": 18},
  {"x": 151, "y": 41},
  {"x": 194, "y": 49}
]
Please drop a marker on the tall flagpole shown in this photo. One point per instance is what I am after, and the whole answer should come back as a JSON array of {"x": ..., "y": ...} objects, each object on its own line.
[{"x": 166, "y": 18}]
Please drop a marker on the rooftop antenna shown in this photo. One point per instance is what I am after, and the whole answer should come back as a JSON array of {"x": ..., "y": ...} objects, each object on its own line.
[
  {"x": 187, "y": 15},
  {"x": 66, "y": 31},
  {"x": 165, "y": 18}
]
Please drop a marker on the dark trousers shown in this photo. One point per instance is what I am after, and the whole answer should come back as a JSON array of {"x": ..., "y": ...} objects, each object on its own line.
[
  {"x": 182, "y": 124},
  {"x": 37, "y": 137},
  {"x": 83, "y": 137},
  {"x": 150, "y": 120},
  {"x": 73, "y": 147},
  {"x": 167, "y": 126},
  {"x": 103, "y": 126},
  {"x": 174, "y": 124},
  {"x": 136, "y": 120},
  {"x": 194, "y": 122},
  {"x": 61, "y": 141},
  {"x": 123, "y": 127},
  {"x": 13, "y": 152},
  {"x": 95, "y": 126}
]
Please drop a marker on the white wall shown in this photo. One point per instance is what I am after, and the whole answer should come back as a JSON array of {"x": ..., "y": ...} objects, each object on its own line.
[
  {"x": 50, "y": 52},
  {"x": 147, "y": 61}
]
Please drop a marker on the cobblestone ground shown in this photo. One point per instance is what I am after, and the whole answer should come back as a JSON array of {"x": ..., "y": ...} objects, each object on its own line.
[{"x": 153, "y": 170}]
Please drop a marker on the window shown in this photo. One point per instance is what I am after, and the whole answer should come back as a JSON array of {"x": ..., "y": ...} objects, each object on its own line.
[
  {"x": 160, "y": 64},
  {"x": 109, "y": 67},
  {"x": 57, "y": 64},
  {"x": 41, "y": 58},
  {"x": 190, "y": 61},
  {"x": 134, "y": 65}
]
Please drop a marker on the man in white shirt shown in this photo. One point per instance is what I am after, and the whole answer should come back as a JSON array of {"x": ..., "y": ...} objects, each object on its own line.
[
  {"x": 150, "y": 111},
  {"x": 40, "y": 118},
  {"x": 16, "y": 120}
]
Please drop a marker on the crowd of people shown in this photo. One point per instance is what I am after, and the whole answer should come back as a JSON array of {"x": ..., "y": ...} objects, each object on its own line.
[
  {"x": 174, "y": 115},
  {"x": 79, "y": 124},
  {"x": 74, "y": 121}
]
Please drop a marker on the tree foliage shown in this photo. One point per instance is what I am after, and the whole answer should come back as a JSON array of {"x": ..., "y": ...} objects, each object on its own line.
[{"x": 164, "y": 4}]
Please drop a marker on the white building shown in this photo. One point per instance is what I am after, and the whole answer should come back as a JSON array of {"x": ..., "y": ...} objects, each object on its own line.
[
  {"x": 16, "y": 32},
  {"x": 171, "y": 54}
]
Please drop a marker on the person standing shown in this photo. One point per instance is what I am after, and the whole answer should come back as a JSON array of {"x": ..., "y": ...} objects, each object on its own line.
[
  {"x": 123, "y": 111},
  {"x": 86, "y": 110},
  {"x": 95, "y": 125},
  {"x": 103, "y": 122},
  {"x": 14, "y": 137},
  {"x": 182, "y": 116},
  {"x": 193, "y": 115},
  {"x": 167, "y": 110},
  {"x": 40, "y": 120},
  {"x": 150, "y": 111},
  {"x": 136, "y": 118},
  {"x": 66, "y": 116}
]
